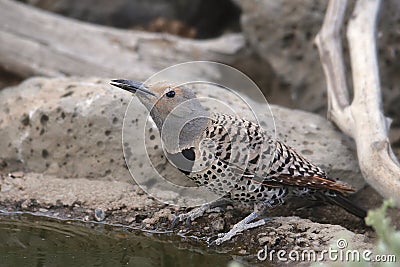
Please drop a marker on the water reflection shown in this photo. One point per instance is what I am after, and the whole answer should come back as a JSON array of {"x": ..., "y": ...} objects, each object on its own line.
[{"x": 27, "y": 240}]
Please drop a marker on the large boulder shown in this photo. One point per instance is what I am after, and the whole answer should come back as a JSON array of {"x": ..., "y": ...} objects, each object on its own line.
[
  {"x": 67, "y": 127},
  {"x": 71, "y": 127},
  {"x": 282, "y": 33}
]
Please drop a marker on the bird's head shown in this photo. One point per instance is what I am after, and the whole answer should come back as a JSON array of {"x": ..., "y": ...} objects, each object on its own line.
[{"x": 172, "y": 107}]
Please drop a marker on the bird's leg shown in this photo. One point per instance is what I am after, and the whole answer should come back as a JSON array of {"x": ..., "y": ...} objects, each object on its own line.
[
  {"x": 198, "y": 212},
  {"x": 244, "y": 224}
]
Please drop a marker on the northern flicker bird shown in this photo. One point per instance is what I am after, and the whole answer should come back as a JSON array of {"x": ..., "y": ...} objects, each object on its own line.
[{"x": 233, "y": 157}]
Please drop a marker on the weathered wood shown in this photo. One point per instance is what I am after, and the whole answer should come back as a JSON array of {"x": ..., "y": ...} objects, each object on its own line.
[
  {"x": 35, "y": 42},
  {"x": 362, "y": 119}
]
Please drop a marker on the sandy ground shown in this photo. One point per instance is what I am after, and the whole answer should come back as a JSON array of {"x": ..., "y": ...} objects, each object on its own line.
[{"x": 122, "y": 203}]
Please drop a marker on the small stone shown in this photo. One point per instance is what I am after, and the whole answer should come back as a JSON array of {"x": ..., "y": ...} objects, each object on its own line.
[
  {"x": 130, "y": 219},
  {"x": 206, "y": 228},
  {"x": 218, "y": 224},
  {"x": 289, "y": 240},
  {"x": 316, "y": 243},
  {"x": 99, "y": 215},
  {"x": 242, "y": 252},
  {"x": 86, "y": 218},
  {"x": 302, "y": 228},
  {"x": 302, "y": 241},
  {"x": 25, "y": 205},
  {"x": 268, "y": 240},
  {"x": 18, "y": 174},
  {"x": 263, "y": 240},
  {"x": 261, "y": 235},
  {"x": 43, "y": 210},
  {"x": 140, "y": 192},
  {"x": 313, "y": 125},
  {"x": 59, "y": 203},
  {"x": 215, "y": 210}
]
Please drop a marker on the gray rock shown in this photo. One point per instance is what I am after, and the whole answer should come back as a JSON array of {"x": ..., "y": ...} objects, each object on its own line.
[
  {"x": 67, "y": 127},
  {"x": 319, "y": 140},
  {"x": 282, "y": 33},
  {"x": 279, "y": 233},
  {"x": 72, "y": 128},
  {"x": 99, "y": 215},
  {"x": 305, "y": 234}
]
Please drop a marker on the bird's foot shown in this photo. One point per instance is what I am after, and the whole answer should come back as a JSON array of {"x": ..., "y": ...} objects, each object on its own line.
[
  {"x": 191, "y": 215},
  {"x": 241, "y": 226}
]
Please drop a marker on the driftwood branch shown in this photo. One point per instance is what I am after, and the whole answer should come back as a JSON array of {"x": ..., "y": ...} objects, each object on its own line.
[
  {"x": 36, "y": 42},
  {"x": 330, "y": 48},
  {"x": 363, "y": 119}
]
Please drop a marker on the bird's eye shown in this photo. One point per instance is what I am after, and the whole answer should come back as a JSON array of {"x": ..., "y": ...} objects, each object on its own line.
[{"x": 170, "y": 94}]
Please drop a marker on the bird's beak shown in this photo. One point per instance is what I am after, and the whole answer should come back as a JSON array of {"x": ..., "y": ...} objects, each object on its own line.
[{"x": 131, "y": 86}]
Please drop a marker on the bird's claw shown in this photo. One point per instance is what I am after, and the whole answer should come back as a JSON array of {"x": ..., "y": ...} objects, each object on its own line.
[
  {"x": 175, "y": 221},
  {"x": 180, "y": 218},
  {"x": 188, "y": 217},
  {"x": 221, "y": 238},
  {"x": 238, "y": 228}
]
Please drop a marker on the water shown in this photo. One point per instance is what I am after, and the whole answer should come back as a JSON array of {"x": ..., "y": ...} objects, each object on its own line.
[{"x": 28, "y": 240}]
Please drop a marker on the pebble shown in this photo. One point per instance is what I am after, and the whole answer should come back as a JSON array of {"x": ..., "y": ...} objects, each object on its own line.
[
  {"x": 17, "y": 174},
  {"x": 99, "y": 215},
  {"x": 242, "y": 252},
  {"x": 218, "y": 224},
  {"x": 25, "y": 204},
  {"x": 261, "y": 235},
  {"x": 43, "y": 210},
  {"x": 270, "y": 240}
]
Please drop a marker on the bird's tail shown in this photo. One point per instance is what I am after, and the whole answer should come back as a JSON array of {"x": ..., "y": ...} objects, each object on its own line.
[{"x": 345, "y": 203}]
